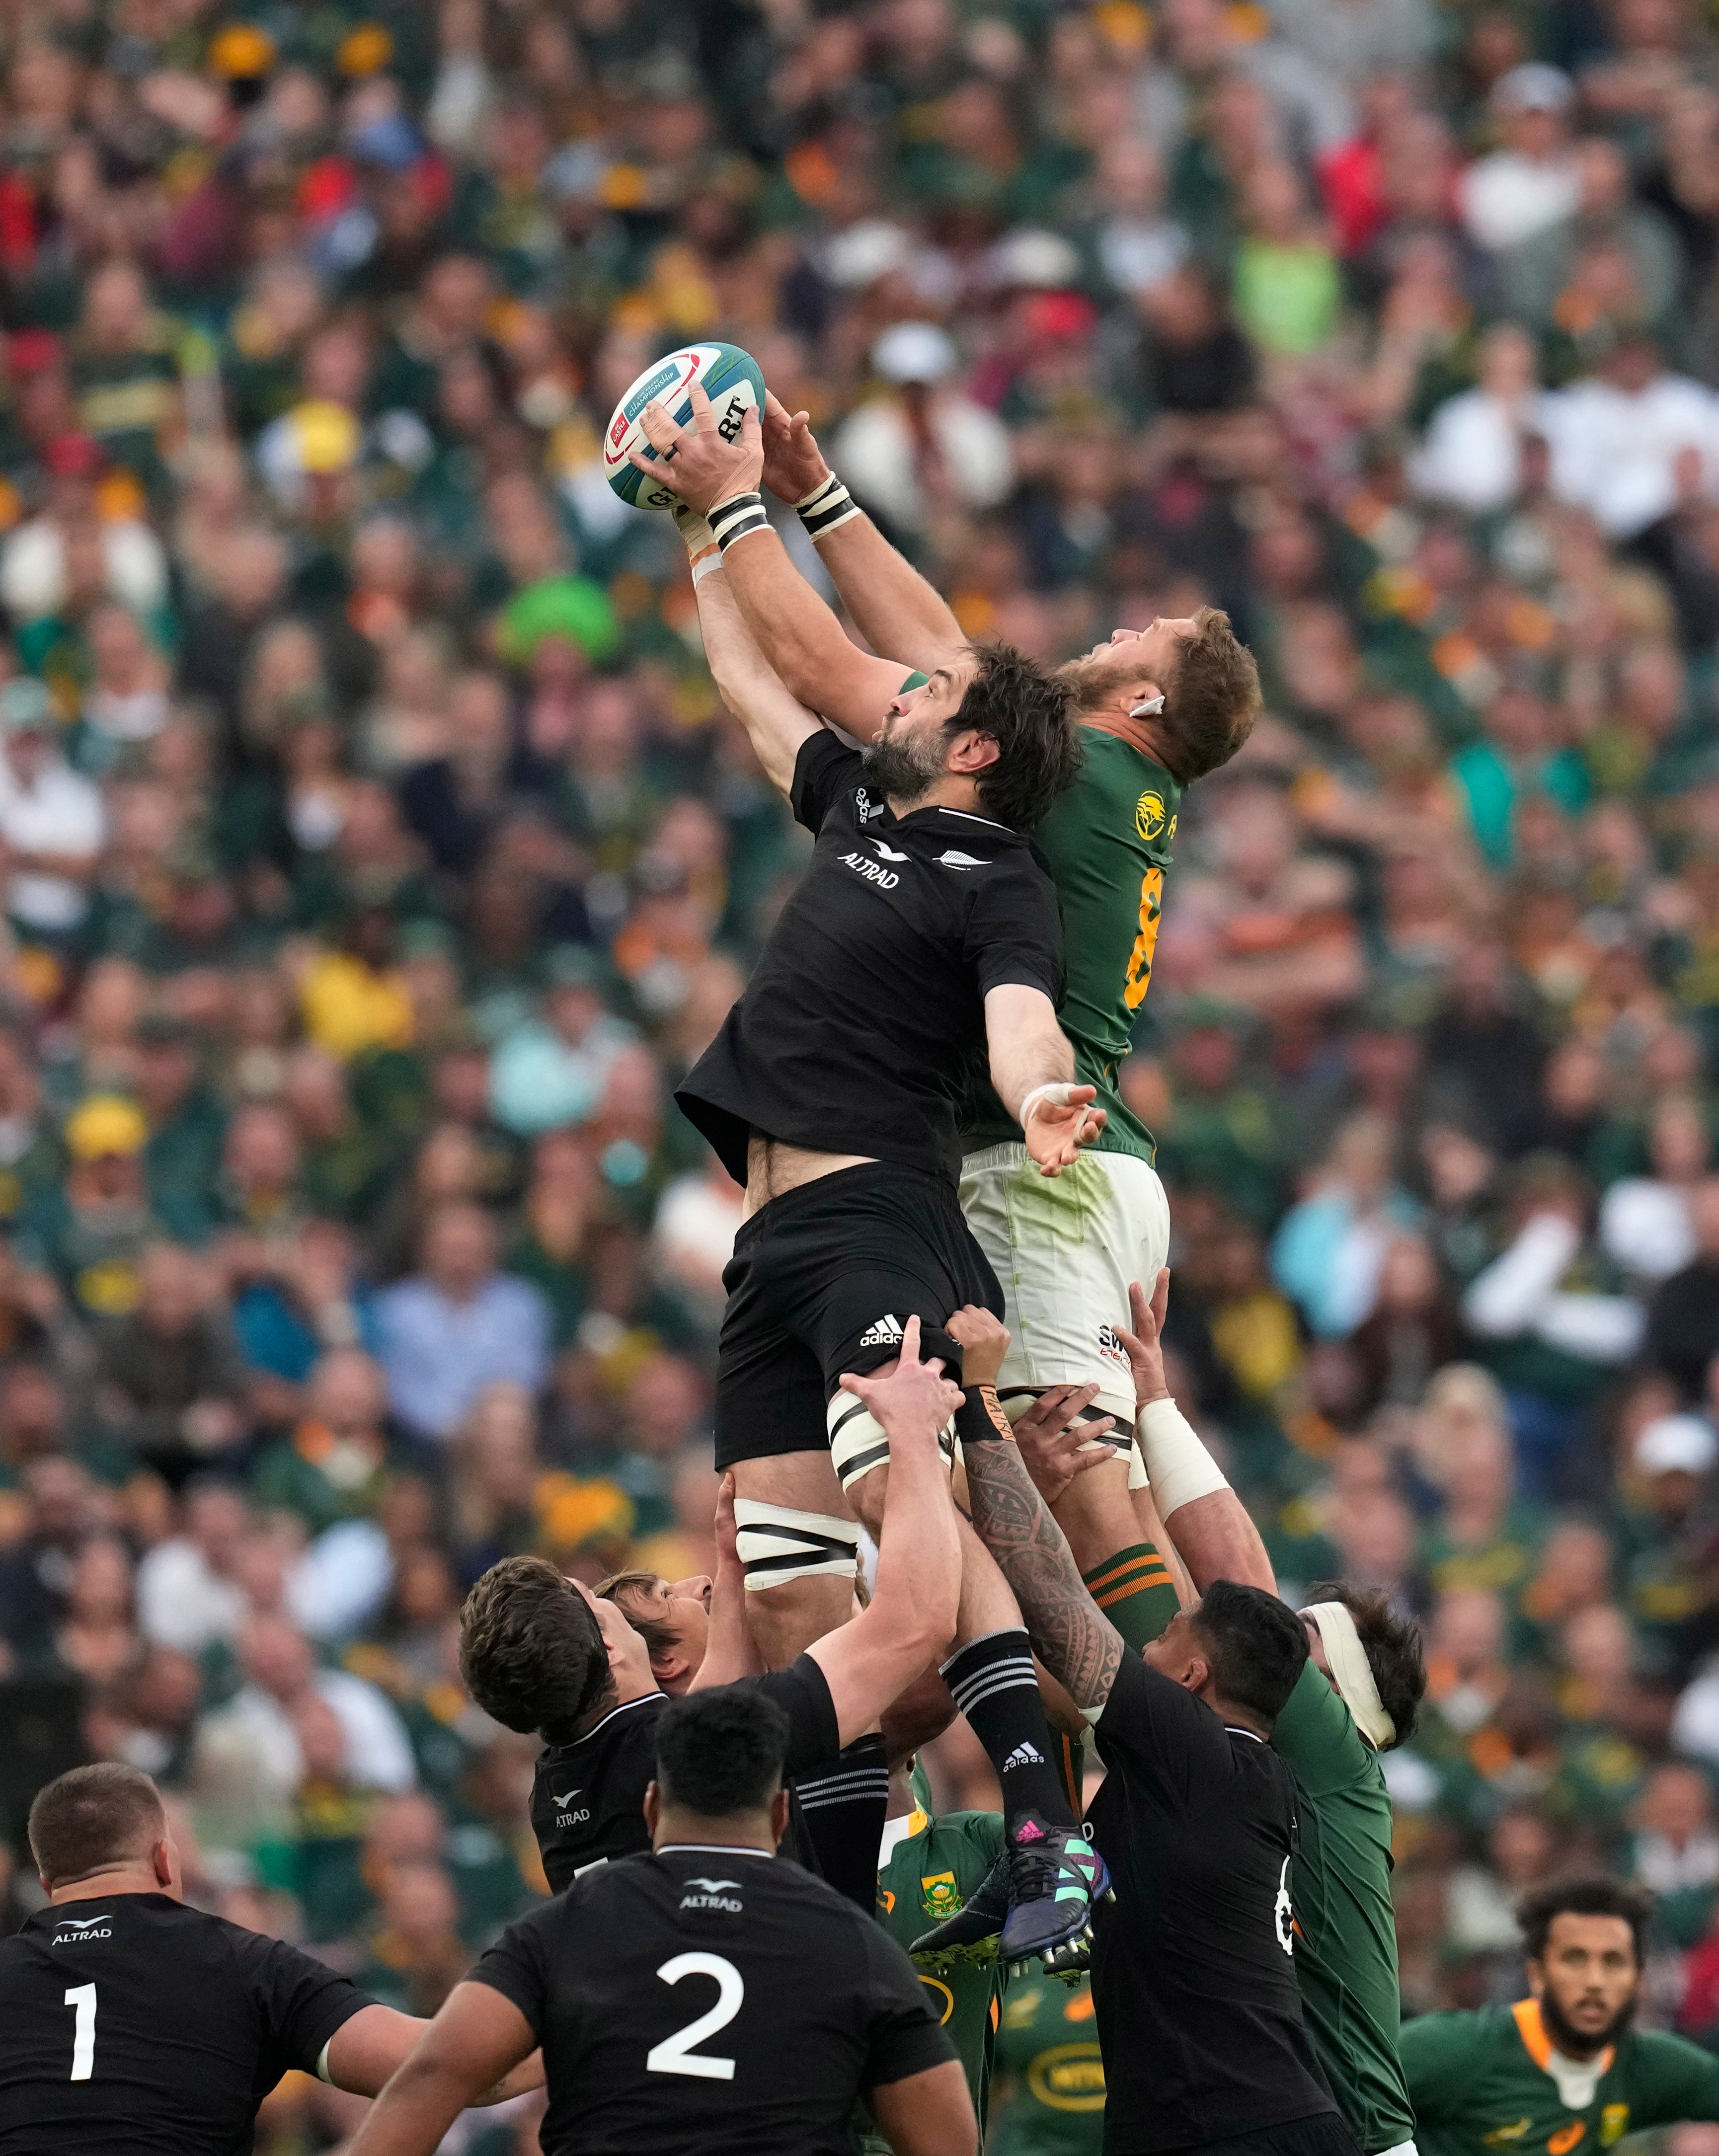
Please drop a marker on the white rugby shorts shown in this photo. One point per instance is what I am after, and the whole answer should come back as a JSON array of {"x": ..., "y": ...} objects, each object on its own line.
[{"x": 1064, "y": 1249}]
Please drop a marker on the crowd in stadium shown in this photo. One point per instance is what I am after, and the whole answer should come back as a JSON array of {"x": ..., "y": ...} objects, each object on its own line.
[{"x": 377, "y": 856}]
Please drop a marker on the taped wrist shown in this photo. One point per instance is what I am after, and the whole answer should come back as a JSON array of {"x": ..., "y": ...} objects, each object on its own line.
[
  {"x": 738, "y": 518},
  {"x": 778, "y": 1544},
  {"x": 858, "y": 1441},
  {"x": 1177, "y": 1466},
  {"x": 980, "y": 1420},
  {"x": 828, "y": 505},
  {"x": 701, "y": 541}
]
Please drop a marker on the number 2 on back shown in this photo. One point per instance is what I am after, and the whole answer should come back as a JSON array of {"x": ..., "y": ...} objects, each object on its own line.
[
  {"x": 82, "y": 1996},
  {"x": 675, "y": 2055}
]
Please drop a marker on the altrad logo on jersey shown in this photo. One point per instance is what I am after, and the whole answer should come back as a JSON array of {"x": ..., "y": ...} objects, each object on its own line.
[
  {"x": 79, "y": 1931},
  {"x": 715, "y": 1894},
  {"x": 884, "y": 879},
  {"x": 564, "y": 1816}
]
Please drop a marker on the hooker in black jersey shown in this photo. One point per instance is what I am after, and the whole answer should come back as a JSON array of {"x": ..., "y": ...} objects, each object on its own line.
[
  {"x": 710, "y": 2000},
  {"x": 587, "y": 1797}
]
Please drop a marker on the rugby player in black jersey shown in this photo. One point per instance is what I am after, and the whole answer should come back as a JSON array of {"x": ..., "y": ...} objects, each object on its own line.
[
  {"x": 133, "y": 2026},
  {"x": 541, "y": 1655},
  {"x": 923, "y": 946},
  {"x": 704, "y": 1998},
  {"x": 1196, "y": 1822}
]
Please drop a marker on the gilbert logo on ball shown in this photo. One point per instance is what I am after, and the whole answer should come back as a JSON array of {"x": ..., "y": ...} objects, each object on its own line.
[{"x": 730, "y": 377}]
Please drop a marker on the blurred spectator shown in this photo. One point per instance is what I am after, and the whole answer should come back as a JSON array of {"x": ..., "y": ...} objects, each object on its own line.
[{"x": 458, "y": 1324}]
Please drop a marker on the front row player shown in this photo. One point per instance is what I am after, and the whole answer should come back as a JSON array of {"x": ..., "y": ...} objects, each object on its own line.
[
  {"x": 1562, "y": 2070},
  {"x": 130, "y": 2023},
  {"x": 703, "y": 1999},
  {"x": 543, "y": 1657}
]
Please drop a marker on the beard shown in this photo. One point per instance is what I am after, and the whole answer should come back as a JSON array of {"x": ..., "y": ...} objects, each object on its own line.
[
  {"x": 1571, "y": 2041},
  {"x": 907, "y": 767}
]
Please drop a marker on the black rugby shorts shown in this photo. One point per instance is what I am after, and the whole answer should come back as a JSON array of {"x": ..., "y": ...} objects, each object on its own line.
[{"x": 822, "y": 1281}]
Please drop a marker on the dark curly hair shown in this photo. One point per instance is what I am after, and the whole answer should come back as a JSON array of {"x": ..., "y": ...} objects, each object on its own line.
[
  {"x": 722, "y": 1751},
  {"x": 1029, "y": 715},
  {"x": 1392, "y": 1646},
  {"x": 1591, "y": 1894},
  {"x": 530, "y": 1651}
]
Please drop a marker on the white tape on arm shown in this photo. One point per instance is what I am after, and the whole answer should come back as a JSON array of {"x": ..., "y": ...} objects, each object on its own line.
[
  {"x": 1177, "y": 1466},
  {"x": 1056, "y": 1091},
  {"x": 322, "y": 2072}
]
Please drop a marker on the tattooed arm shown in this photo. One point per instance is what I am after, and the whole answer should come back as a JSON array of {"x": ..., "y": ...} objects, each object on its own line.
[{"x": 1075, "y": 1641}]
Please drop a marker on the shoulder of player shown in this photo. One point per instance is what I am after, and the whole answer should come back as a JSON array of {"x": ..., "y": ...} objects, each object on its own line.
[
  {"x": 1659, "y": 2051},
  {"x": 1472, "y": 2030},
  {"x": 630, "y": 1717}
]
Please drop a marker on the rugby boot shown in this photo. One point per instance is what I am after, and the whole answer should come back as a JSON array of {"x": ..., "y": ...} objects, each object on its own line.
[
  {"x": 1056, "y": 1877},
  {"x": 972, "y": 1933}
]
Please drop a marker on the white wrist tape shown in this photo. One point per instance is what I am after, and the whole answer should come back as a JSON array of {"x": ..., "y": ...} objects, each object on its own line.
[
  {"x": 701, "y": 548},
  {"x": 322, "y": 2072},
  {"x": 1056, "y": 1092},
  {"x": 1177, "y": 1466}
]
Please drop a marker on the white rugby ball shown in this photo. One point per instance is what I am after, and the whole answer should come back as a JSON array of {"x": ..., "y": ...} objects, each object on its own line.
[{"x": 730, "y": 378}]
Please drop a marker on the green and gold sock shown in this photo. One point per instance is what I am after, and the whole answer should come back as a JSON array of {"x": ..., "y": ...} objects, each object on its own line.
[{"x": 1136, "y": 1591}]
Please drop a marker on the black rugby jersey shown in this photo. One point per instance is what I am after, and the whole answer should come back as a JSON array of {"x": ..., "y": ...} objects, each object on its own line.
[
  {"x": 710, "y": 2002},
  {"x": 863, "y": 1026},
  {"x": 135, "y": 2026},
  {"x": 1193, "y": 1975},
  {"x": 587, "y": 1797}
]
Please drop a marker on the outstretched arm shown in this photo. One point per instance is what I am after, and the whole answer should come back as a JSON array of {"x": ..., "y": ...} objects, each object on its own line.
[
  {"x": 1032, "y": 1066},
  {"x": 473, "y": 2043},
  {"x": 798, "y": 635},
  {"x": 911, "y": 1615},
  {"x": 730, "y": 1650},
  {"x": 893, "y": 607},
  {"x": 1076, "y": 1643},
  {"x": 1211, "y": 1529},
  {"x": 777, "y": 724}
]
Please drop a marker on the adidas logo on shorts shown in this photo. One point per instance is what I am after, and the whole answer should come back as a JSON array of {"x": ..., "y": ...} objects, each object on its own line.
[
  {"x": 1024, "y": 1755},
  {"x": 885, "y": 1333}
]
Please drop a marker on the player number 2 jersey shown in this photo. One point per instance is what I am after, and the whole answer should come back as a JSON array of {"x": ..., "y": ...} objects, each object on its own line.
[{"x": 1106, "y": 842}]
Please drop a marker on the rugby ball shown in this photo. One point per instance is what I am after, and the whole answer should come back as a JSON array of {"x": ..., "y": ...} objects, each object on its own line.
[{"x": 730, "y": 377}]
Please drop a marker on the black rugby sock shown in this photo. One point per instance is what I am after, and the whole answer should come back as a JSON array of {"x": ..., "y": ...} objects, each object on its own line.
[
  {"x": 996, "y": 1689},
  {"x": 842, "y": 1804}
]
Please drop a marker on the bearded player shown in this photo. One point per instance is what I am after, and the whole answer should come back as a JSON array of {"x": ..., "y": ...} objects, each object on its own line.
[
  {"x": 1157, "y": 712},
  {"x": 1561, "y": 2069}
]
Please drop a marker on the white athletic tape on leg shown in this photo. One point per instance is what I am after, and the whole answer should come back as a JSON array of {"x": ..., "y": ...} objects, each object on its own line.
[
  {"x": 778, "y": 1544},
  {"x": 1177, "y": 1466},
  {"x": 858, "y": 1441}
]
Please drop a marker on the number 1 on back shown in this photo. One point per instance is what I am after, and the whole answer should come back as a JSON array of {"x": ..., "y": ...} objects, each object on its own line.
[{"x": 82, "y": 1996}]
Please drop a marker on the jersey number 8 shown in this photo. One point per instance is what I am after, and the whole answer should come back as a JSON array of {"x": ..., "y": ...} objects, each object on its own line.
[{"x": 675, "y": 2055}]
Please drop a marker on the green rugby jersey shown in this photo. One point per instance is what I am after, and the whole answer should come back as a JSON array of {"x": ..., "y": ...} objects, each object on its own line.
[
  {"x": 1107, "y": 842},
  {"x": 928, "y": 1875},
  {"x": 1490, "y": 2081},
  {"x": 1345, "y": 1936},
  {"x": 1049, "y": 2071}
]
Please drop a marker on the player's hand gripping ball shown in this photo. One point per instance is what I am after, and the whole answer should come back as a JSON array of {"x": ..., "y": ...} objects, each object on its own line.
[{"x": 730, "y": 377}]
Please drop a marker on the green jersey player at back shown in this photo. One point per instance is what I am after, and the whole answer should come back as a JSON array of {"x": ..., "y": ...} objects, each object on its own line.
[{"x": 1563, "y": 2070}]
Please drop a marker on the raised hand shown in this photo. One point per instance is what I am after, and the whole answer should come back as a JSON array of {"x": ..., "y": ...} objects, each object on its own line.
[
  {"x": 696, "y": 461},
  {"x": 794, "y": 463},
  {"x": 1144, "y": 1345},
  {"x": 915, "y": 1401},
  {"x": 1054, "y": 1445},
  {"x": 1061, "y": 1119},
  {"x": 984, "y": 1342}
]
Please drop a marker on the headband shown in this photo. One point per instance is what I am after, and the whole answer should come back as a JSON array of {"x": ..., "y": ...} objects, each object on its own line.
[{"x": 1352, "y": 1673}]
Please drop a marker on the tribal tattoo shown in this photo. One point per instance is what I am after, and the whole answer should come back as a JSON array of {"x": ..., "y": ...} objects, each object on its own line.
[{"x": 1076, "y": 1643}]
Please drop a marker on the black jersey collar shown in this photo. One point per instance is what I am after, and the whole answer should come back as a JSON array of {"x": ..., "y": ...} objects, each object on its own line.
[
  {"x": 715, "y": 1849},
  {"x": 625, "y": 1708}
]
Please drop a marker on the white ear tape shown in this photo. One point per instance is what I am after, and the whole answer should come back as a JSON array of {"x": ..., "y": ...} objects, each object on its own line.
[{"x": 1146, "y": 709}]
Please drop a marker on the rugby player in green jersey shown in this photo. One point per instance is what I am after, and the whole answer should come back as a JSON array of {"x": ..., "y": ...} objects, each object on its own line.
[
  {"x": 1561, "y": 2070},
  {"x": 1158, "y": 710},
  {"x": 928, "y": 1867},
  {"x": 1357, "y": 1696},
  {"x": 1048, "y": 2090}
]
